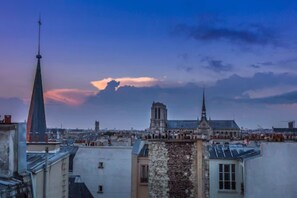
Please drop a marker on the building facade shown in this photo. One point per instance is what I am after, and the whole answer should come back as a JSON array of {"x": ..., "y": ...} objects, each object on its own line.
[
  {"x": 273, "y": 172},
  {"x": 170, "y": 168},
  {"x": 105, "y": 170},
  {"x": 49, "y": 167},
  {"x": 15, "y": 180},
  {"x": 177, "y": 168},
  {"x": 226, "y": 169}
]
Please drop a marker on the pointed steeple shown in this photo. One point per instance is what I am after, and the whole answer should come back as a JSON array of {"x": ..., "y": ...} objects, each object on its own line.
[
  {"x": 36, "y": 124},
  {"x": 203, "y": 110}
]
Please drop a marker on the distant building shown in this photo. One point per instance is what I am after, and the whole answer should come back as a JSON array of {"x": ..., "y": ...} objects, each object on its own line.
[
  {"x": 273, "y": 173},
  {"x": 203, "y": 127},
  {"x": 158, "y": 122},
  {"x": 97, "y": 128},
  {"x": 226, "y": 170},
  {"x": 106, "y": 170},
  {"x": 291, "y": 130}
]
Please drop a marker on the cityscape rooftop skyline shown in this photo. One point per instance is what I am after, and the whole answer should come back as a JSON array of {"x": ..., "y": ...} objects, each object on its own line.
[{"x": 110, "y": 60}]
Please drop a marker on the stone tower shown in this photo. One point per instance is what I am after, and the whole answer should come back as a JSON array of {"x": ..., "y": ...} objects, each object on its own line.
[
  {"x": 36, "y": 125},
  {"x": 158, "y": 118}
]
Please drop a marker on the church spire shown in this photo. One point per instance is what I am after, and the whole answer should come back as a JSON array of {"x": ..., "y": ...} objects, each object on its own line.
[
  {"x": 203, "y": 110},
  {"x": 36, "y": 124}
]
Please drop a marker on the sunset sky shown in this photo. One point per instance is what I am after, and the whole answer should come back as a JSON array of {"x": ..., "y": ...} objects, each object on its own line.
[{"x": 108, "y": 60}]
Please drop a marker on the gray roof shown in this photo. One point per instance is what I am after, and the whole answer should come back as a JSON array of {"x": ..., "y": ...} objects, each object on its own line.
[
  {"x": 36, "y": 161},
  {"x": 144, "y": 151},
  {"x": 137, "y": 146},
  {"x": 220, "y": 151},
  {"x": 284, "y": 130},
  {"x": 182, "y": 124},
  {"x": 140, "y": 148},
  {"x": 193, "y": 124},
  {"x": 223, "y": 124},
  {"x": 72, "y": 151}
]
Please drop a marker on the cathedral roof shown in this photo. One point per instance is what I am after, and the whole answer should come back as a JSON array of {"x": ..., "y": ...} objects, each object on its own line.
[
  {"x": 182, "y": 124},
  {"x": 193, "y": 124},
  {"x": 223, "y": 124}
]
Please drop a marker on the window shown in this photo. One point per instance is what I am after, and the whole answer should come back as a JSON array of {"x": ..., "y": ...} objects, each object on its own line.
[
  {"x": 143, "y": 173},
  {"x": 100, "y": 165},
  {"x": 100, "y": 189},
  {"x": 227, "y": 177}
]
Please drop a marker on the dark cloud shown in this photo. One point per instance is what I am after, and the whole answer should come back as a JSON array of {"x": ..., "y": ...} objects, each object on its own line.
[
  {"x": 259, "y": 65},
  {"x": 126, "y": 107},
  {"x": 249, "y": 34},
  {"x": 216, "y": 65},
  {"x": 256, "y": 66},
  {"x": 236, "y": 85},
  {"x": 286, "y": 98},
  {"x": 111, "y": 86}
]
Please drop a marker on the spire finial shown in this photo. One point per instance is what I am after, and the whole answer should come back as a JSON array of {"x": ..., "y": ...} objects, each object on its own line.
[
  {"x": 39, "y": 26},
  {"x": 203, "y": 110}
]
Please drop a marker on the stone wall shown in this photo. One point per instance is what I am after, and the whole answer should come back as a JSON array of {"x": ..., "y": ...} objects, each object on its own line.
[{"x": 176, "y": 168}]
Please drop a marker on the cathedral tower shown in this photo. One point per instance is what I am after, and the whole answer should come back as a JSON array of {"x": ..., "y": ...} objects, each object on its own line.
[{"x": 158, "y": 118}]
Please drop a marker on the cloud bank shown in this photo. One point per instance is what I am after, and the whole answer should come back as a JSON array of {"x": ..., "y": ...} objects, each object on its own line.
[
  {"x": 126, "y": 81},
  {"x": 248, "y": 100},
  {"x": 254, "y": 34}
]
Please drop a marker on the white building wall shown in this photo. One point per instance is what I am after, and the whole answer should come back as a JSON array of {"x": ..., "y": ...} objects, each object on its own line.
[
  {"x": 115, "y": 177},
  {"x": 57, "y": 180},
  {"x": 214, "y": 190},
  {"x": 273, "y": 174}
]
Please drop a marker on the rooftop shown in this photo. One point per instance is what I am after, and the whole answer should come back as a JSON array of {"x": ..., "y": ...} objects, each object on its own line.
[
  {"x": 193, "y": 124},
  {"x": 220, "y": 151},
  {"x": 36, "y": 161}
]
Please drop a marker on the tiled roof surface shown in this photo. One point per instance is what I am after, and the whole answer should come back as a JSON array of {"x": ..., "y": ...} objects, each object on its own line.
[
  {"x": 223, "y": 124},
  {"x": 285, "y": 130},
  {"x": 193, "y": 124},
  {"x": 36, "y": 161},
  {"x": 231, "y": 151},
  {"x": 182, "y": 124}
]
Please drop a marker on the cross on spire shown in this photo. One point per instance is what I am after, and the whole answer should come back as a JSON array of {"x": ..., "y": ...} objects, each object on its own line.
[{"x": 38, "y": 56}]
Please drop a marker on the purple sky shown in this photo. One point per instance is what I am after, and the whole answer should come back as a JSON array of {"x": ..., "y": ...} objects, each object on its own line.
[{"x": 244, "y": 54}]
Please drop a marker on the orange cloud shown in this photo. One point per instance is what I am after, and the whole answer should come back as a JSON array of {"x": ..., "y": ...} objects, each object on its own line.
[
  {"x": 68, "y": 96},
  {"x": 126, "y": 81}
]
